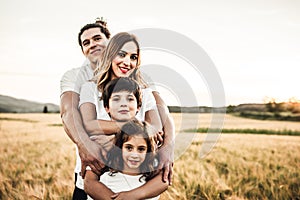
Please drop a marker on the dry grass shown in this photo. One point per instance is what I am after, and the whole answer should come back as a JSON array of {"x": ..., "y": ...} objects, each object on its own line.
[{"x": 37, "y": 160}]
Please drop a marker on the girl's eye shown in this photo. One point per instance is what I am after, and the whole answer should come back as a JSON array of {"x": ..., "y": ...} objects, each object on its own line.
[
  {"x": 129, "y": 148},
  {"x": 141, "y": 149}
]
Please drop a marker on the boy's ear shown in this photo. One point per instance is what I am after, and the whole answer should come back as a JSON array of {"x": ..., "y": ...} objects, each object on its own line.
[
  {"x": 107, "y": 109},
  {"x": 138, "y": 109}
]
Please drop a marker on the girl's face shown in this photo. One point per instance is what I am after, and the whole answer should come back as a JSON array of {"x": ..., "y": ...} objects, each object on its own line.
[
  {"x": 122, "y": 106},
  {"x": 125, "y": 61},
  {"x": 134, "y": 153}
]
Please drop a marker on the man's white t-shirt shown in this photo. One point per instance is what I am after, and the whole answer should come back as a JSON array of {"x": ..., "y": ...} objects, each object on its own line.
[{"x": 119, "y": 182}]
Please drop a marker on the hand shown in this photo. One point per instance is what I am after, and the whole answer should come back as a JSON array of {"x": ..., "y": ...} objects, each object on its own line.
[
  {"x": 158, "y": 138},
  {"x": 125, "y": 195},
  {"x": 166, "y": 157},
  {"x": 90, "y": 154}
]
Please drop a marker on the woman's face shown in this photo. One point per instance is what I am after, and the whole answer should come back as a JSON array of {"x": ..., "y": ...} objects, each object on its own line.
[{"x": 125, "y": 61}]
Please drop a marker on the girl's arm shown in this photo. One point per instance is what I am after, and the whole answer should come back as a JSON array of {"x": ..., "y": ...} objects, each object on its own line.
[
  {"x": 152, "y": 188},
  {"x": 94, "y": 126},
  {"x": 94, "y": 188}
]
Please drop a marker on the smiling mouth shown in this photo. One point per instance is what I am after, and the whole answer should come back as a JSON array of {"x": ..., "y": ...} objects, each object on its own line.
[
  {"x": 124, "y": 70},
  {"x": 96, "y": 51}
]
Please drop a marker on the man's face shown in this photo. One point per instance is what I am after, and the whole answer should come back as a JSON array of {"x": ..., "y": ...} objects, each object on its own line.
[{"x": 93, "y": 41}]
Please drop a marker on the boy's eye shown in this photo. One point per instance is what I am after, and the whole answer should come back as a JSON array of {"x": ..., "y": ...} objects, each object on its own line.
[
  {"x": 115, "y": 99},
  {"x": 130, "y": 99}
]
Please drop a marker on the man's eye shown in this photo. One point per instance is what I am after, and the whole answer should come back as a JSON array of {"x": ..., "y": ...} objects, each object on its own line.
[
  {"x": 85, "y": 43},
  {"x": 98, "y": 38}
]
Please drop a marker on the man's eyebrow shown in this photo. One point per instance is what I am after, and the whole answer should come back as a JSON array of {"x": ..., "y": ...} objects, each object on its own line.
[{"x": 91, "y": 38}]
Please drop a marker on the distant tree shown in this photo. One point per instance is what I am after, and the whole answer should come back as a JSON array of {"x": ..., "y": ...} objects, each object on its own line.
[{"x": 45, "y": 109}]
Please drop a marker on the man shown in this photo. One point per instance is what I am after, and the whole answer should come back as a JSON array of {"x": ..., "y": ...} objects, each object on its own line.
[{"x": 92, "y": 39}]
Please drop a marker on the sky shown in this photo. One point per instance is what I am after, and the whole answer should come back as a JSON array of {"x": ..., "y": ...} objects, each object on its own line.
[{"x": 253, "y": 44}]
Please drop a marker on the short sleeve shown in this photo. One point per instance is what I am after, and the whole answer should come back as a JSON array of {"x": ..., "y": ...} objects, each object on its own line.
[
  {"x": 70, "y": 81},
  {"x": 88, "y": 93}
]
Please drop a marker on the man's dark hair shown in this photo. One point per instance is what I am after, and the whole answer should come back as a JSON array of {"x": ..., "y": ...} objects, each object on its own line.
[{"x": 103, "y": 29}]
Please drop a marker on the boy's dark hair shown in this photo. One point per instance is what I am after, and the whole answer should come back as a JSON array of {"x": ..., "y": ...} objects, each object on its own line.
[
  {"x": 102, "y": 27},
  {"x": 121, "y": 84}
]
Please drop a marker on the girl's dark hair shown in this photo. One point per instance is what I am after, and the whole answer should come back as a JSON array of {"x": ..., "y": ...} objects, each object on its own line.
[
  {"x": 121, "y": 84},
  {"x": 130, "y": 129}
]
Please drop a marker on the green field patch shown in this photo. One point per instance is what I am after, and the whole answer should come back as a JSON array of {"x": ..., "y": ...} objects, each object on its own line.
[{"x": 247, "y": 131}]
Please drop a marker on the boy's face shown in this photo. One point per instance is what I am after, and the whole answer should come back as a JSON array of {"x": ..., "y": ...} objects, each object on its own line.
[{"x": 122, "y": 106}]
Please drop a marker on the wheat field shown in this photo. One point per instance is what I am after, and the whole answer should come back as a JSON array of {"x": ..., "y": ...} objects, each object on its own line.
[{"x": 37, "y": 160}]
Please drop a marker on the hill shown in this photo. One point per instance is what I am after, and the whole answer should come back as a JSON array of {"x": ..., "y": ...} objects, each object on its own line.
[{"x": 13, "y": 105}]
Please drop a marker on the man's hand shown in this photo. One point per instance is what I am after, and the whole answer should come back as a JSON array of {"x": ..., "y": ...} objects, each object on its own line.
[
  {"x": 166, "y": 157},
  {"x": 91, "y": 155}
]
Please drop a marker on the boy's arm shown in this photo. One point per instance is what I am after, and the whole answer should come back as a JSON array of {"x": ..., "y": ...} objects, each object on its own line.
[
  {"x": 71, "y": 119},
  {"x": 150, "y": 189},
  {"x": 96, "y": 189},
  {"x": 96, "y": 126},
  {"x": 166, "y": 151}
]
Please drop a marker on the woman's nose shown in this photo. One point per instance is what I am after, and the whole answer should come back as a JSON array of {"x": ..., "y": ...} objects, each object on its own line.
[{"x": 126, "y": 60}]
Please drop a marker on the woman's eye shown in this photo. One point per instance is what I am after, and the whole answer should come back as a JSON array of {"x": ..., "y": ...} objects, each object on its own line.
[
  {"x": 134, "y": 57},
  {"x": 121, "y": 54}
]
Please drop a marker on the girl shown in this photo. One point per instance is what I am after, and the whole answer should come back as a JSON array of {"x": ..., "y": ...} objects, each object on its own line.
[{"x": 131, "y": 159}]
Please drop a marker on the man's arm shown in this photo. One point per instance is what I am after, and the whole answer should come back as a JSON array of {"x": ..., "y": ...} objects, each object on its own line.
[
  {"x": 88, "y": 150},
  {"x": 166, "y": 151},
  {"x": 96, "y": 126}
]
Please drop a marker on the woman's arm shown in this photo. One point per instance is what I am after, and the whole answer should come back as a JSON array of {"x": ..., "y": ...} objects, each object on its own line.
[
  {"x": 96, "y": 189},
  {"x": 96, "y": 126}
]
